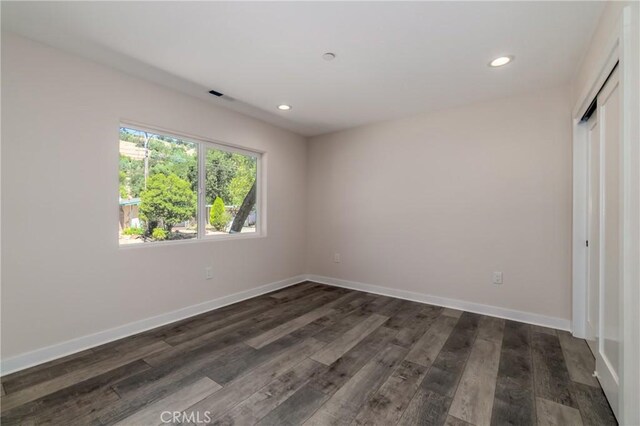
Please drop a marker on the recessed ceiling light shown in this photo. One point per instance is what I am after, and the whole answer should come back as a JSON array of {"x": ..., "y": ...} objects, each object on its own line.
[
  {"x": 329, "y": 56},
  {"x": 502, "y": 60},
  {"x": 284, "y": 107}
]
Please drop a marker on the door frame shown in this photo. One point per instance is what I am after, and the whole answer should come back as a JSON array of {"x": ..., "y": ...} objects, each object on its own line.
[{"x": 623, "y": 47}]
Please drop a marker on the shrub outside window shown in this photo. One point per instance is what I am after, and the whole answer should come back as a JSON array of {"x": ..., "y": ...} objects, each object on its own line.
[{"x": 174, "y": 188}]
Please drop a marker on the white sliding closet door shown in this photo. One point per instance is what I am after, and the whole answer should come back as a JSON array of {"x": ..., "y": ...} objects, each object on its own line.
[
  {"x": 593, "y": 273},
  {"x": 609, "y": 327}
]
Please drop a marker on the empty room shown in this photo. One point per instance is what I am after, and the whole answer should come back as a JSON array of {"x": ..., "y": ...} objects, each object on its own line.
[{"x": 320, "y": 213}]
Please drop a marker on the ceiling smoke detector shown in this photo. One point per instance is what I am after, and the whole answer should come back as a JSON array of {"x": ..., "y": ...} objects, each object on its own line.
[{"x": 329, "y": 56}]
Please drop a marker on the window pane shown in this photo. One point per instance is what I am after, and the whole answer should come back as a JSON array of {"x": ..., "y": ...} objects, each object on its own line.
[
  {"x": 230, "y": 192},
  {"x": 158, "y": 187}
]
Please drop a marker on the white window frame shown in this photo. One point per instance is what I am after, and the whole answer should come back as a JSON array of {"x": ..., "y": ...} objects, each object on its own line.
[{"x": 202, "y": 145}]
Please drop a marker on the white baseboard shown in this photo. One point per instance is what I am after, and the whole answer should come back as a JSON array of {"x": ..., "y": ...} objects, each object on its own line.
[
  {"x": 478, "y": 308},
  {"x": 49, "y": 353},
  {"x": 59, "y": 350}
]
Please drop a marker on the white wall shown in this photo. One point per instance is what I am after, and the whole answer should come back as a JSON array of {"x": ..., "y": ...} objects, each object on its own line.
[
  {"x": 63, "y": 274},
  {"x": 435, "y": 203}
]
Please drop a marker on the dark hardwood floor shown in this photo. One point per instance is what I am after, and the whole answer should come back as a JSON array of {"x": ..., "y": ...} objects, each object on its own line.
[{"x": 318, "y": 355}]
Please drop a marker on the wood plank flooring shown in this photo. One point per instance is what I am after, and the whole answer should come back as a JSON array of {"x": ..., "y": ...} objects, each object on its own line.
[{"x": 318, "y": 355}]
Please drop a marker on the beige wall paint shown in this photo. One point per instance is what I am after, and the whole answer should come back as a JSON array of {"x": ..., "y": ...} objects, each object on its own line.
[
  {"x": 435, "y": 203},
  {"x": 60, "y": 117}
]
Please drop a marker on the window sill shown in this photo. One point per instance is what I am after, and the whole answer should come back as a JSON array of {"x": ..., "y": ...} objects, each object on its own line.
[{"x": 206, "y": 239}]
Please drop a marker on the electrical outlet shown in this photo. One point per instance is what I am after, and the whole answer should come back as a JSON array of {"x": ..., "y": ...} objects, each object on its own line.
[
  {"x": 208, "y": 273},
  {"x": 336, "y": 257},
  {"x": 497, "y": 278}
]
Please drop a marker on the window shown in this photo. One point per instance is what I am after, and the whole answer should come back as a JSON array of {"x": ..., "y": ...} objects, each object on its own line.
[{"x": 175, "y": 189}]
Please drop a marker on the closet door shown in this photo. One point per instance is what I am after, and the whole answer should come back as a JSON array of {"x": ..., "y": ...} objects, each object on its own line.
[
  {"x": 608, "y": 335},
  {"x": 593, "y": 222}
]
